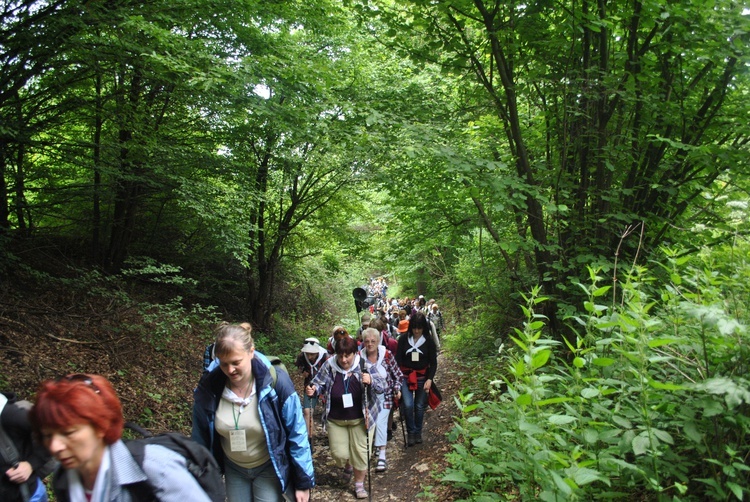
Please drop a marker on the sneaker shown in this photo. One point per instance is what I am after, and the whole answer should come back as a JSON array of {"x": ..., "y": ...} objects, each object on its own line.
[{"x": 360, "y": 492}]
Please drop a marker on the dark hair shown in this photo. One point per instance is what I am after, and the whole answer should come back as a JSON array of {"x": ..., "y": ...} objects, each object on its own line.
[
  {"x": 78, "y": 398},
  {"x": 418, "y": 320},
  {"x": 346, "y": 345},
  {"x": 378, "y": 324}
]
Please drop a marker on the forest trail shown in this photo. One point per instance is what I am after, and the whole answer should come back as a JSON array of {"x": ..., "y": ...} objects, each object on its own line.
[{"x": 410, "y": 471}]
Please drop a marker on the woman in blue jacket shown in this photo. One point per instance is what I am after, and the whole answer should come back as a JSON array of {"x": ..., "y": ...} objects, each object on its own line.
[{"x": 252, "y": 422}]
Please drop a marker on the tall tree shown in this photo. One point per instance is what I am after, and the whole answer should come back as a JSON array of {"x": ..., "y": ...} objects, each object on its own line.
[{"x": 611, "y": 114}]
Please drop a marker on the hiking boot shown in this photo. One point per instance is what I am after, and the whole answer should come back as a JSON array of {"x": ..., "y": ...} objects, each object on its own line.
[
  {"x": 410, "y": 439},
  {"x": 418, "y": 438}
]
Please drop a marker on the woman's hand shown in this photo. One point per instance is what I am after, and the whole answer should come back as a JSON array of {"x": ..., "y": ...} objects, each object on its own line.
[
  {"x": 398, "y": 395},
  {"x": 310, "y": 390},
  {"x": 427, "y": 384},
  {"x": 20, "y": 473},
  {"x": 302, "y": 495},
  {"x": 366, "y": 378}
]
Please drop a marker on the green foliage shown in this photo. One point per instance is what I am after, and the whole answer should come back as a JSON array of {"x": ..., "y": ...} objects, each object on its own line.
[
  {"x": 651, "y": 396},
  {"x": 162, "y": 322}
]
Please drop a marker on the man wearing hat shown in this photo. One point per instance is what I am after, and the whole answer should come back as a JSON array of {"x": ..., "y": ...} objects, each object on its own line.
[
  {"x": 366, "y": 318},
  {"x": 309, "y": 361}
]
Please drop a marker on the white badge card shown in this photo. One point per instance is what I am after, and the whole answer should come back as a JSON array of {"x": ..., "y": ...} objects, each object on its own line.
[
  {"x": 237, "y": 440},
  {"x": 348, "y": 401},
  {"x": 415, "y": 356}
]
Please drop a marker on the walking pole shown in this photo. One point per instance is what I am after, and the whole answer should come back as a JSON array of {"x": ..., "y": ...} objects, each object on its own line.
[
  {"x": 401, "y": 418},
  {"x": 363, "y": 367},
  {"x": 310, "y": 438}
]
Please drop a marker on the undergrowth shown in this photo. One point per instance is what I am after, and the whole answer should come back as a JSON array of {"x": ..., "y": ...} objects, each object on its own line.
[{"x": 650, "y": 399}]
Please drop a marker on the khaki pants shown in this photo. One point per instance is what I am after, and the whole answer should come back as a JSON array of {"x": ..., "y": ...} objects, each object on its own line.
[{"x": 348, "y": 442}]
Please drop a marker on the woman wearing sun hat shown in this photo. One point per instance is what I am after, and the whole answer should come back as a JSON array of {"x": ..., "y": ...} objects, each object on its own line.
[{"x": 311, "y": 358}]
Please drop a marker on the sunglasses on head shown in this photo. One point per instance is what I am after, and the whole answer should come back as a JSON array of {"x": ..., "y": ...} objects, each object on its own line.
[
  {"x": 80, "y": 377},
  {"x": 340, "y": 332},
  {"x": 310, "y": 342}
]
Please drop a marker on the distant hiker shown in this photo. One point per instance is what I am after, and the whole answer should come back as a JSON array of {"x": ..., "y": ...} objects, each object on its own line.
[
  {"x": 339, "y": 332},
  {"x": 366, "y": 319},
  {"x": 311, "y": 358},
  {"x": 342, "y": 383},
  {"x": 23, "y": 461},
  {"x": 380, "y": 361},
  {"x": 249, "y": 415},
  {"x": 417, "y": 358},
  {"x": 436, "y": 318},
  {"x": 79, "y": 419}
]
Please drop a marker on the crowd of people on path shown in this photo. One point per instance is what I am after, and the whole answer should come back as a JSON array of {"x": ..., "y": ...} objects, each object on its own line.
[{"x": 247, "y": 417}]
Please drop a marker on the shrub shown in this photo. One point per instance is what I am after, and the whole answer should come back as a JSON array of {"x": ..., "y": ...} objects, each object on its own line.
[{"x": 650, "y": 398}]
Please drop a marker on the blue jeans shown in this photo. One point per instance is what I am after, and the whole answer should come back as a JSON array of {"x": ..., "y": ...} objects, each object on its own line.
[
  {"x": 415, "y": 404},
  {"x": 259, "y": 484}
]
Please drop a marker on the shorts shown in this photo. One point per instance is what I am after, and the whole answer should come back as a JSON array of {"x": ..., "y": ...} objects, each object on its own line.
[{"x": 309, "y": 402}]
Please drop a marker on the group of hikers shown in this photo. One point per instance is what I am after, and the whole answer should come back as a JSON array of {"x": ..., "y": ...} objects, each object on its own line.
[{"x": 246, "y": 413}]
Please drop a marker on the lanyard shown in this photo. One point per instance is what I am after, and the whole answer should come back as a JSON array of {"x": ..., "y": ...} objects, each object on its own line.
[{"x": 346, "y": 383}]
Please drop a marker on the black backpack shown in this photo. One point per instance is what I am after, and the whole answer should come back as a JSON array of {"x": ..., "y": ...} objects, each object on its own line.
[{"x": 200, "y": 462}]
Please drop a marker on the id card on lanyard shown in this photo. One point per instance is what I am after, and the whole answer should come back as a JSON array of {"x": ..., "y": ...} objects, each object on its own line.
[
  {"x": 237, "y": 438},
  {"x": 347, "y": 397}
]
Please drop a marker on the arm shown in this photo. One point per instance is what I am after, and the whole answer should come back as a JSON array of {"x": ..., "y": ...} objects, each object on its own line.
[
  {"x": 169, "y": 477},
  {"x": 298, "y": 444}
]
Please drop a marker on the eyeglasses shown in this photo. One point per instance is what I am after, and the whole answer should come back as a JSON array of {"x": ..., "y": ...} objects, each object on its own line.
[{"x": 80, "y": 377}]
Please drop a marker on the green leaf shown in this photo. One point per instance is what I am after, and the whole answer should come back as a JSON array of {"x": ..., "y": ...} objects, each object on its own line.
[
  {"x": 603, "y": 361},
  {"x": 663, "y": 435},
  {"x": 524, "y": 399},
  {"x": 579, "y": 362},
  {"x": 584, "y": 476},
  {"x": 456, "y": 477},
  {"x": 658, "y": 342},
  {"x": 540, "y": 358},
  {"x": 736, "y": 489},
  {"x": 640, "y": 445},
  {"x": 601, "y": 291},
  {"x": 591, "y": 436},
  {"x": 589, "y": 392},
  {"x": 622, "y": 421},
  {"x": 666, "y": 386},
  {"x": 561, "y": 419}
]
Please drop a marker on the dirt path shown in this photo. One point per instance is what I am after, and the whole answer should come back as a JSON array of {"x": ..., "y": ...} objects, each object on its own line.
[{"x": 410, "y": 471}]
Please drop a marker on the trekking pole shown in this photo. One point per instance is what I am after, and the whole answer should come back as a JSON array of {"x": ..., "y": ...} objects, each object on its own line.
[
  {"x": 367, "y": 433},
  {"x": 310, "y": 437}
]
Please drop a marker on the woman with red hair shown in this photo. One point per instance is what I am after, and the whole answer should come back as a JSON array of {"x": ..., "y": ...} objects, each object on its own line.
[{"x": 79, "y": 420}]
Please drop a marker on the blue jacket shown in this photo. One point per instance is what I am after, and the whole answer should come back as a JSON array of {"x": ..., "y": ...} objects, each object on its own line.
[{"x": 280, "y": 415}]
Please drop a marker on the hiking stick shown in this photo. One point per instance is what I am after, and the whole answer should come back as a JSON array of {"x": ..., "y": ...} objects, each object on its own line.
[
  {"x": 367, "y": 433},
  {"x": 310, "y": 428}
]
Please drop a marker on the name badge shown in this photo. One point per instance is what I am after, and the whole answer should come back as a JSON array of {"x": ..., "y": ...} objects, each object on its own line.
[
  {"x": 415, "y": 356},
  {"x": 237, "y": 440},
  {"x": 348, "y": 401}
]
